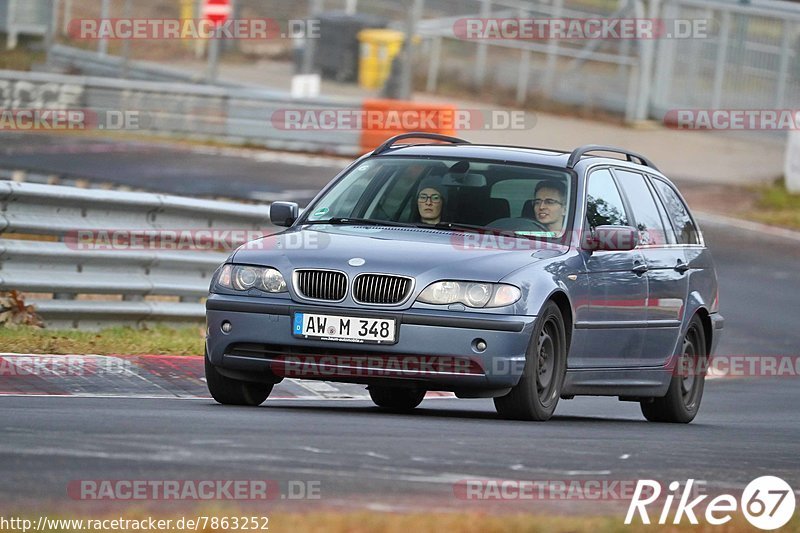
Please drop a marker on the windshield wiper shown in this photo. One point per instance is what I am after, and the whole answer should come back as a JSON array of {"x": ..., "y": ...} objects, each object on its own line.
[
  {"x": 462, "y": 227},
  {"x": 347, "y": 221}
]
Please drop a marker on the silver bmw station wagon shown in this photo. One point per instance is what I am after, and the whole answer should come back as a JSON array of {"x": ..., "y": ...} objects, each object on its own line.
[{"x": 525, "y": 275}]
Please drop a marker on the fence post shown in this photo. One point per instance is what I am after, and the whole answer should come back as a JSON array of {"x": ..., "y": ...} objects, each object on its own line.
[
  {"x": 783, "y": 66},
  {"x": 67, "y": 17},
  {"x": 549, "y": 78},
  {"x": 11, "y": 22},
  {"x": 722, "y": 57},
  {"x": 481, "y": 52},
  {"x": 126, "y": 44},
  {"x": 433, "y": 64},
  {"x": 666, "y": 61},
  {"x": 523, "y": 74},
  {"x": 633, "y": 93},
  {"x": 792, "y": 165},
  {"x": 105, "y": 7},
  {"x": 647, "y": 52}
]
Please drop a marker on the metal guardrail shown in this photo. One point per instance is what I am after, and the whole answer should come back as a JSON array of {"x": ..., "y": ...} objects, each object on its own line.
[
  {"x": 235, "y": 115},
  {"x": 91, "y": 63},
  {"x": 42, "y": 252}
]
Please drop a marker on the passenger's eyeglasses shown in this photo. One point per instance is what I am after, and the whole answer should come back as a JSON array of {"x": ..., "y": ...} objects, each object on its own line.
[
  {"x": 549, "y": 202},
  {"x": 435, "y": 198}
]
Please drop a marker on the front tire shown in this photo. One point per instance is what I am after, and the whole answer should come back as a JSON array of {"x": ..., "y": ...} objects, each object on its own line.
[
  {"x": 536, "y": 395},
  {"x": 685, "y": 392},
  {"x": 396, "y": 399},
  {"x": 228, "y": 391}
]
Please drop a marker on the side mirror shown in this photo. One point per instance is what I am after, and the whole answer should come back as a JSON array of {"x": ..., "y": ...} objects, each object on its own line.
[
  {"x": 611, "y": 238},
  {"x": 283, "y": 213}
]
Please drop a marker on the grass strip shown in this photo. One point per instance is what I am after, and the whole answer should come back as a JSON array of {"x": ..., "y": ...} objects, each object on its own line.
[{"x": 159, "y": 340}]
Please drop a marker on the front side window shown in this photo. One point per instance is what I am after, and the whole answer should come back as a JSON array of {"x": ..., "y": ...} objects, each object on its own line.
[{"x": 472, "y": 194}]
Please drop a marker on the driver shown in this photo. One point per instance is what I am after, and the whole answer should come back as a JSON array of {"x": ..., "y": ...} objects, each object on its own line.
[
  {"x": 549, "y": 204},
  {"x": 431, "y": 196}
]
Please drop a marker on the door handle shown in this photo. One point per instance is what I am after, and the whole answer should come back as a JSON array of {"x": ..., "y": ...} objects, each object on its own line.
[
  {"x": 639, "y": 268},
  {"x": 681, "y": 267}
]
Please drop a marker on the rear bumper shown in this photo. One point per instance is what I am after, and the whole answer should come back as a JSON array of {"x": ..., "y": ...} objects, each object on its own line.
[{"x": 434, "y": 349}]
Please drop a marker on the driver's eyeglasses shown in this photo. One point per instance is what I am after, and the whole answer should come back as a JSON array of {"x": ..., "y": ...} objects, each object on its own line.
[
  {"x": 548, "y": 202},
  {"x": 435, "y": 198}
]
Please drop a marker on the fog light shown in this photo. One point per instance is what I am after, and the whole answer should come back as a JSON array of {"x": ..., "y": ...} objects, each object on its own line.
[{"x": 226, "y": 327}]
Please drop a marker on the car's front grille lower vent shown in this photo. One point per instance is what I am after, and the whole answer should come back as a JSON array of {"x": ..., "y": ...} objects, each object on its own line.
[
  {"x": 326, "y": 285},
  {"x": 381, "y": 289}
]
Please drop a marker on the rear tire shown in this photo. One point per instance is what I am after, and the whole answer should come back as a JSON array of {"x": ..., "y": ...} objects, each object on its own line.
[
  {"x": 396, "y": 399},
  {"x": 229, "y": 391},
  {"x": 685, "y": 392},
  {"x": 536, "y": 395}
]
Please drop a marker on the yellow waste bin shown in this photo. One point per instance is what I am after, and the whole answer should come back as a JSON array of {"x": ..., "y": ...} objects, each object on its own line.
[{"x": 378, "y": 50}]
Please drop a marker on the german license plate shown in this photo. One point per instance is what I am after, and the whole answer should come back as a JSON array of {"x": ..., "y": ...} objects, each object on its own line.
[{"x": 345, "y": 328}]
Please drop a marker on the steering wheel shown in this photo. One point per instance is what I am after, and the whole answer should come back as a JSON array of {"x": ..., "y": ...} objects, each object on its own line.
[{"x": 518, "y": 224}]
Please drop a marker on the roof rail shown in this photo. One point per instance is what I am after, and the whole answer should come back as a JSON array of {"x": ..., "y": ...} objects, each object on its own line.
[
  {"x": 418, "y": 135},
  {"x": 579, "y": 152}
]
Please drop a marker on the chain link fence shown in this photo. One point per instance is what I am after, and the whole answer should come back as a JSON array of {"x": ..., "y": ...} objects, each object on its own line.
[{"x": 748, "y": 57}]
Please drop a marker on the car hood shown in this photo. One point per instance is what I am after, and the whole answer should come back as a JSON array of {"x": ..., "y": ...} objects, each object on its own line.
[{"x": 405, "y": 251}]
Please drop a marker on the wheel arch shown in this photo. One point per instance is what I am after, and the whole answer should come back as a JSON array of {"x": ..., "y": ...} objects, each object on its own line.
[
  {"x": 561, "y": 299},
  {"x": 708, "y": 327}
]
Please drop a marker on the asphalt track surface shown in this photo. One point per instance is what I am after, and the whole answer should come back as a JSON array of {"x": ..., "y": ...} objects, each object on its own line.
[
  {"x": 182, "y": 169},
  {"x": 363, "y": 457}
]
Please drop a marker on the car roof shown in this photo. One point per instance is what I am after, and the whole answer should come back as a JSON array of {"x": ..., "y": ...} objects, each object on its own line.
[{"x": 510, "y": 154}]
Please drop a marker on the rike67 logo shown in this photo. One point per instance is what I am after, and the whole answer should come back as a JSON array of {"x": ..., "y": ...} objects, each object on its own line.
[{"x": 767, "y": 503}]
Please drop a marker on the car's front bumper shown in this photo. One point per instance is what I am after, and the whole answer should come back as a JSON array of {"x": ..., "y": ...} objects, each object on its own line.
[{"x": 260, "y": 343}]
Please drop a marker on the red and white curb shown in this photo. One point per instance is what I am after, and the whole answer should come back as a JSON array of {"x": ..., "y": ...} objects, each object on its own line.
[{"x": 152, "y": 376}]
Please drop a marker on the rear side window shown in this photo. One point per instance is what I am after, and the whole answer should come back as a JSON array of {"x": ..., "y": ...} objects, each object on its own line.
[
  {"x": 684, "y": 226},
  {"x": 645, "y": 212},
  {"x": 604, "y": 205}
]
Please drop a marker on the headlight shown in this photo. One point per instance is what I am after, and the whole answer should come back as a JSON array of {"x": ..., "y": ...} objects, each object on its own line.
[
  {"x": 471, "y": 294},
  {"x": 244, "y": 278}
]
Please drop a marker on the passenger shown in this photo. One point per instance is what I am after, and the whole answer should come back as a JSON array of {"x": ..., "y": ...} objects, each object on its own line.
[
  {"x": 549, "y": 204},
  {"x": 431, "y": 197}
]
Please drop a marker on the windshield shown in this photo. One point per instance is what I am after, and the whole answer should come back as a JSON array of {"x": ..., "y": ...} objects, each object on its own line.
[{"x": 450, "y": 193}]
